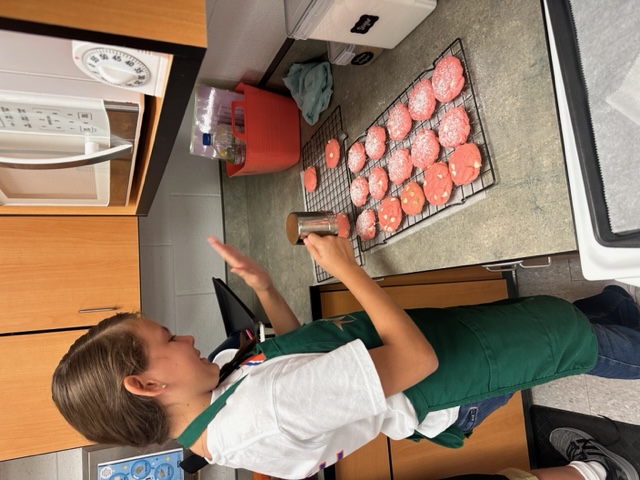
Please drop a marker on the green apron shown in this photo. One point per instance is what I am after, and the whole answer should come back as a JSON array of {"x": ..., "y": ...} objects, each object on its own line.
[{"x": 483, "y": 350}]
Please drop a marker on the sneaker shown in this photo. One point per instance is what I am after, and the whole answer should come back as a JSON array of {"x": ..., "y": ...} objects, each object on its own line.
[{"x": 575, "y": 444}]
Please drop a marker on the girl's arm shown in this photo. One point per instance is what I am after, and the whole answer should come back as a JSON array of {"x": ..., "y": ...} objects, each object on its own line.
[
  {"x": 406, "y": 356},
  {"x": 278, "y": 312}
]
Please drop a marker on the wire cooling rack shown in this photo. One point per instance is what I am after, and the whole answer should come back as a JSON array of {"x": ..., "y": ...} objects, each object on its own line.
[
  {"x": 332, "y": 192},
  {"x": 459, "y": 194}
]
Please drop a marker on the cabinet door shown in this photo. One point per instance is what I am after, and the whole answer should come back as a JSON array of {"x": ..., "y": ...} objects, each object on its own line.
[
  {"x": 55, "y": 272},
  {"x": 30, "y": 423}
]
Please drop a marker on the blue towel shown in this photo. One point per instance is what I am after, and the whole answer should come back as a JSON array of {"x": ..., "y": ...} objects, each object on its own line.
[{"x": 311, "y": 86}]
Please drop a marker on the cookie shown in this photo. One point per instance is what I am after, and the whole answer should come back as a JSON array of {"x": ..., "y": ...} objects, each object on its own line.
[
  {"x": 378, "y": 183},
  {"x": 359, "y": 191},
  {"x": 399, "y": 122},
  {"x": 454, "y": 127},
  {"x": 344, "y": 226},
  {"x": 390, "y": 214},
  {"x": 425, "y": 149},
  {"x": 332, "y": 153},
  {"x": 366, "y": 224},
  {"x": 356, "y": 157},
  {"x": 447, "y": 79},
  {"x": 400, "y": 166},
  {"x": 310, "y": 179},
  {"x": 374, "y": 144},
  {"x": 465, "y": 163},
  {"x": 437, "y": 184},
  {"x": 422, "y": 100},
  {"x": 412, "y": 198}
]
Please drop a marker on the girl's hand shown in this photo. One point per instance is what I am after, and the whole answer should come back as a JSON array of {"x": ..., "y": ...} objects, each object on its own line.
[
  {"x": 253, "y": 274},
  {"x": 333, "y": 254}
]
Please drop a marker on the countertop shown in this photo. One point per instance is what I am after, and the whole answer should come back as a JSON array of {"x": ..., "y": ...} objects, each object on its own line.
[{"x": 526, "y": 213}]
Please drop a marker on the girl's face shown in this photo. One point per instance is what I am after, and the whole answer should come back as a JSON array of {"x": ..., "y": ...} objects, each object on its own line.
[{"x": 174, "y": 361}]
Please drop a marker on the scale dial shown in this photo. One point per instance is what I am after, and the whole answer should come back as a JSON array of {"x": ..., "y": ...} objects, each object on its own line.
[{"x": 116, "y": 67}]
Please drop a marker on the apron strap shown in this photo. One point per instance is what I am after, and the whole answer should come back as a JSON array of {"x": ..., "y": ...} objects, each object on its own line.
[{"x": 200, "y": 423}]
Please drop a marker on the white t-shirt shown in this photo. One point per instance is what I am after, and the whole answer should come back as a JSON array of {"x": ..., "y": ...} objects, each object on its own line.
[{"x": 266, "y": 425}]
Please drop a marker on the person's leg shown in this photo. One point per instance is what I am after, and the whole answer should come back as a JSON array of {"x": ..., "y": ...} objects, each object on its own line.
[
  {"x": 472, "y": 414},
  {"x": 592, "y": 460},
  {"x": 612, "y": 306},
  {"x": 618, "y": 352},
  {"x": 557, "y": 473}
]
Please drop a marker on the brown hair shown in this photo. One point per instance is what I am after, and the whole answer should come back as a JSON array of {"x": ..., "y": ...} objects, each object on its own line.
[{"x": 88, "y": 385}]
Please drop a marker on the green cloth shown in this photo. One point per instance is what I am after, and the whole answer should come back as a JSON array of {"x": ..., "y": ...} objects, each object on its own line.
[{"x": 311, "y": 86}]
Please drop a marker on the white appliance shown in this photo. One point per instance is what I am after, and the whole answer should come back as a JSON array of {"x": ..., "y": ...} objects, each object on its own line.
[
  {"x": 375, "y": 23},
  {"x": 66, "y": 138},
  {"x": 598, "y": 262}
]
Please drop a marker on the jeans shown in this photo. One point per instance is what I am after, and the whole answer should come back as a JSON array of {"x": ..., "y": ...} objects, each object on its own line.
[{"x": 615, "y": 319}]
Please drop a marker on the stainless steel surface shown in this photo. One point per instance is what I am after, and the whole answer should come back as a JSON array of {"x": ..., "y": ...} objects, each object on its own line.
[
  {"x": 118, "y": 150},
  {"x": 301, "y": 224}
]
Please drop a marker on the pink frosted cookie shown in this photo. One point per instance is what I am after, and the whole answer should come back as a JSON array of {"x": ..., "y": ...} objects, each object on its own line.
[
  {"x": 366, "y": 224},
  {"x": 378, "y": 183},
  {"x": 454, "y": 128},
  {"x": 359, "y": 191},
  {"x": 399, "y": 122},
  {"x": 465, "y": 163},
  {"x": 310, "y": 179},
  {"x": 412, "y": 198},
  {"x": 422, "y": 100},
  {"x": 425, "y": 149},
  {"x": 344, "y": 226},
  {"x": 437, "y": 184},
  {"x": 389, "y": 214},
  {"x": 374, "y": 144},
  {"x": 400, "y": 166},
  {"x": 356, "y": 157},
  {"x": 447, "y": 79},
  {"x": 332, "y": 153}
]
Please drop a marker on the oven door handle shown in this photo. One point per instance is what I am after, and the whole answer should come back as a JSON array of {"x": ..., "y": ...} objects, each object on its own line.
[{"x": 92, "y": 156}]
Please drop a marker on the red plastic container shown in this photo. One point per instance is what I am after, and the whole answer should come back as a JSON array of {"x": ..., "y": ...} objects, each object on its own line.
[{"x": 271, "y": 132}]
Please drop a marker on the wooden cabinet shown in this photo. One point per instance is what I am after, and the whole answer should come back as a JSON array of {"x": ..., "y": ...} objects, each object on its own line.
[
  {"x": 165, "y": 26},
  {"x": 63, "y": 272},
  {"x": 498, "y": 443},
  {"x": 30, "y": 422},
  {"x": 51, "y": 269}
]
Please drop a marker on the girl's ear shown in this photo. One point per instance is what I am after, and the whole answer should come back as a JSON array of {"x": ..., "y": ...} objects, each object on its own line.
[{"x": 138, "y": 386}]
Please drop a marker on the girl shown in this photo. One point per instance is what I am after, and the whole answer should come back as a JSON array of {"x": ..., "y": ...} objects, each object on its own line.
[{"x": 317, "y": 392}]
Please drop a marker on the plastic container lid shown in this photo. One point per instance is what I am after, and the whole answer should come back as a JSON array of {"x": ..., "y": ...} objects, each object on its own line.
[
  {"x": 350, "y": 54},
  {"x": 302, "y": 16},
  {"x": 340, "y": 53}
]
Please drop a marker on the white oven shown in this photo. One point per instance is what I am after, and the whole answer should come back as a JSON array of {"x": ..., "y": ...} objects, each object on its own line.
[{"x": 598, "y": 261}]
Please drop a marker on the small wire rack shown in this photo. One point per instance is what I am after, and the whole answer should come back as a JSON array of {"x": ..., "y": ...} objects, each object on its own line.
[
  {"x": 332, "y": 192},
  {"x": 459, "y": 194}
]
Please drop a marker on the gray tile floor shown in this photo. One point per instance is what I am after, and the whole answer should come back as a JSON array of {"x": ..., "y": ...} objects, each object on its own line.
[{"x": 616, "y": 399}]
